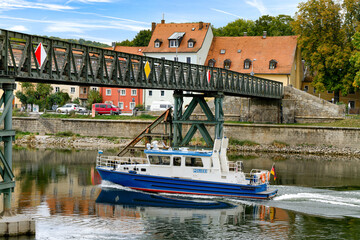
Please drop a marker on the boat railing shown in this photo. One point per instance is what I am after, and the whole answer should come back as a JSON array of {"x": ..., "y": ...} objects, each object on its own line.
[
  {"x": 111, "y": 161},
  {"x": 236, "y": 166}
]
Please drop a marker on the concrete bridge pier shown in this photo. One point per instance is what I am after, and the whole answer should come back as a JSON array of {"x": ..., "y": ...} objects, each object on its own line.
[{"x": 10, "y": 224}]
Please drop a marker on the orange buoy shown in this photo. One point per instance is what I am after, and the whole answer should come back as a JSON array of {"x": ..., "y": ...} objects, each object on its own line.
[{"x": 263, "y": 178}]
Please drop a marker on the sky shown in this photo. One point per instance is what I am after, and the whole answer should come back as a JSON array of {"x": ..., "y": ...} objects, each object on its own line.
[{"x": 110, "y": 21}]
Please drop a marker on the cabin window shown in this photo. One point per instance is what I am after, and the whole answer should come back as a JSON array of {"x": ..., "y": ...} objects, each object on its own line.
[
  {"x": 176, "y": 161},
  {"x": 193, "y": 162},
  {"x": 159, "y": 160}
]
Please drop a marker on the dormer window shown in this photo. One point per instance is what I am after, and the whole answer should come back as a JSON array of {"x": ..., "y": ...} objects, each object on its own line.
[
  {"x": 191, "y": 43},
  {"x": 247, "y": 64},
  {"x": 272, "y": 64},
  {"x": 173, "y": 43},
  {"x": 212, "y": 62},
  {"x": 227, "y": 64},
  {"x": 157, "y": 43},
  {"x": 175, "y": 39}
]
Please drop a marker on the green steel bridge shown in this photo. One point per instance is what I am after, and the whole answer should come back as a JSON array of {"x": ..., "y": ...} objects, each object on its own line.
[{"x": 76, "y": 64}]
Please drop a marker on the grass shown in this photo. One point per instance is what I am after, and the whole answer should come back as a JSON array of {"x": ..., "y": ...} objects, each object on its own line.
[
  {"x": 20, "y": 134},
  {"x": 66, "y": 134},
  {"x": 233, "y": 141},
  {"x": 110, "y": 117}
]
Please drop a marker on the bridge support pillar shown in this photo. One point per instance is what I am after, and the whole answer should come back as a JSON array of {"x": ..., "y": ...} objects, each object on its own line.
[
  {"x": 181, "y": 118},
  {"x": 10, "y": 224}
]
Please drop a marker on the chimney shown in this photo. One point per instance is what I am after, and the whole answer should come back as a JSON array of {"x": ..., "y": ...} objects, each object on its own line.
[
  {"x": 264, "y": 34},
  {"x": 113, "y": 44},
  {"x": 245, "y": 34},
  {"x": 201, "y": 24},
  {"x": 153, "y": 26},
  {"x": 162, "y": 21}
]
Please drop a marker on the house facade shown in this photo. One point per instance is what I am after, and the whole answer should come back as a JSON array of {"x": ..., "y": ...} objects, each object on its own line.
[
  {"x": 276, "y": 58},
  {"x": 183, "y": 42},
  {"x": 125, "y": 98}
]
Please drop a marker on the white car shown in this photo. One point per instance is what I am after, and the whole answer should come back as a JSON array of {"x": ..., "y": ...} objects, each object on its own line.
[
  {"x": 69, "y": 107},
  {"x": 83, "y": 110}
]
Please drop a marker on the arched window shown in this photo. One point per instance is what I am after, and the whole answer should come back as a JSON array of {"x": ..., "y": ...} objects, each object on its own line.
[
  {"x": 247, "y": 64},
  {"x": 211, "y": 62},
  {"x": 227, "y": 64},
  {"x": 272, "y": 64}
]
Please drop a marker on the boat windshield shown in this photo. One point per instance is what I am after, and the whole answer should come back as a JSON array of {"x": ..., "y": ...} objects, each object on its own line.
[
  {"x": 193, "y": 162},
  {"x": 159, "y": 160}
]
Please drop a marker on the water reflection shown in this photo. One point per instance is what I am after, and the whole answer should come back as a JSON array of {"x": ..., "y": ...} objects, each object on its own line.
[{"x": 59, "y": 189}]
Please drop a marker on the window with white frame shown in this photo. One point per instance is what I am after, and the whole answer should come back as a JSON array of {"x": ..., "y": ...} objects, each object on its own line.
[
  {"x": 132, "y": 105},
  {"x": 176, "y": 59},
  {"x": 108, "y": 92},
  {"x": 190, "y": 44},
  {"x": 57, "y": 89},
  {"x": 123, "y": 92},
  {"x": 121, "y": 105},
  {"x": 173, "y": 43},
  {"x": 157, "y": 44},
  {"x": 72, "y": 90},
  {"x": 133, "y": 92},
  {"x": 162, "y": 93},
  {"x": 94, "y": 89},
  {"x": 188, "y": 59}
]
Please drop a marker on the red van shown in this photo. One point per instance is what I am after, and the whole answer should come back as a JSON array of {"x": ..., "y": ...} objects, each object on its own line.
[{"x": 106, "y": 108}]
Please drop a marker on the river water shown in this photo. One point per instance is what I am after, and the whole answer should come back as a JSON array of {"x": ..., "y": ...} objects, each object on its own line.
[{"x": 319, "y": 198}]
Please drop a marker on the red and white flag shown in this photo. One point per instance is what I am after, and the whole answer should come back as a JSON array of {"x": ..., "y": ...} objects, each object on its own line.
[{"x": 40, "y": 54}]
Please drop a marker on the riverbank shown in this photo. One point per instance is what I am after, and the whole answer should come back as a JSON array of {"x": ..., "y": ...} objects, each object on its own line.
[{"x": 95, "y": 143}]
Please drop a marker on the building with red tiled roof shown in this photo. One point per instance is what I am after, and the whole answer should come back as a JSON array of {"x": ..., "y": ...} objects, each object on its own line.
[
  {"x": 277, "y": 58},
  {"x": 183, "y": 42}
]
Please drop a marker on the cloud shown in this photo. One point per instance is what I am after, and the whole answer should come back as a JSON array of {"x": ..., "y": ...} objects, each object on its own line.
[
  {"x": 21, "y": 4},
  {"x": 18, "y": 28},
  {"x": 89, "y": 1},
  {"x": 72, "y": 26},
  {"x": 258, "y": 4},
  {"x": 221, "y": 11}
]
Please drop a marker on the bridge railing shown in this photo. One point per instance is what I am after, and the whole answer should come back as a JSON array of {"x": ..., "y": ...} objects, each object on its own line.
[{"x": 77, "y": 64}]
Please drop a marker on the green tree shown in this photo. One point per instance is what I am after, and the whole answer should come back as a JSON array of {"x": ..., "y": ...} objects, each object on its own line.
[
  {"x": 34, "y": 94},
  {"x": 324, "y": 45},
  {"x": 355, "y": 58},
  {"x": 142, "y": 38},
  {"x": 93, "y": 97},
  {"x": 274, "y": 26},
  {"x": 236, "y": 28},
  {"x": 125, "y": 43},
  {"x": 42, "y": 94},
  {"x": 58, "y": 98}
]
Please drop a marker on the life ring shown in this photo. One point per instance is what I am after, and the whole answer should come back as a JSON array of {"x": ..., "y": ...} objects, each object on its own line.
[
  {"x": 268, "y": 176},
  {"x": 263, "y": 178}
]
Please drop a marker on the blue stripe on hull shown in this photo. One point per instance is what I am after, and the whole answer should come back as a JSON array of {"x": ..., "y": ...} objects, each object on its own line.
[{"x": 185, "y": 186}]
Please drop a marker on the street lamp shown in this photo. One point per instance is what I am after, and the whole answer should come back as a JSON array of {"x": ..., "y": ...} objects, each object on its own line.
[{"x": 252, "y": 67}]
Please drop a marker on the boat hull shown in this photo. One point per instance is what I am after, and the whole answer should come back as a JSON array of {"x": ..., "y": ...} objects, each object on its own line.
[{"x": 152, "y": 183}]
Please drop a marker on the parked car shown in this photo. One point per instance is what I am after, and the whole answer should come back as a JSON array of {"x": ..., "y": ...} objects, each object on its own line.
[
  {"x": 160, "y": 105},
  {"x": 69, "y": 107},
  {"x": 106, "y": 108},
  {"x": 82, "y": 110}
]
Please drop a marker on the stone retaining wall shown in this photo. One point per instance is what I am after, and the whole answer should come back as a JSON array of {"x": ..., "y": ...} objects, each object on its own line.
[{"x": 260, "y": 133}]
